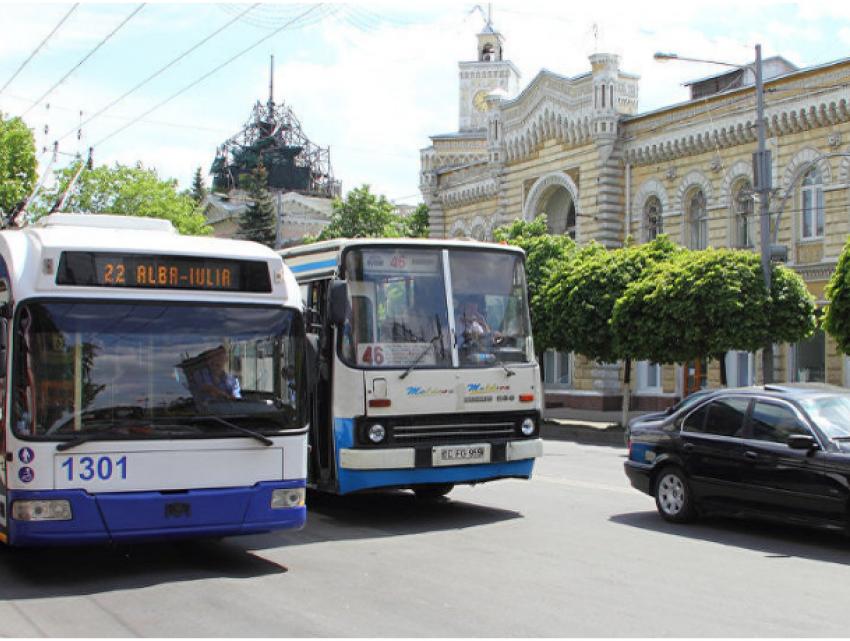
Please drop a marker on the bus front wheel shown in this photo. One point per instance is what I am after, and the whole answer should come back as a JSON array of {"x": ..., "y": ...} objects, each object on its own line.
[{"x": 432, "y": 492}]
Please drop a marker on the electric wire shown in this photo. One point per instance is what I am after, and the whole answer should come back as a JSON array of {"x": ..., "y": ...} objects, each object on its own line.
[
  {"x": 166, "y": 67},
  {"x": 38, "y": 48},
  {"x": 207, "y": 75},
  {"x": 89, "y": 55}
]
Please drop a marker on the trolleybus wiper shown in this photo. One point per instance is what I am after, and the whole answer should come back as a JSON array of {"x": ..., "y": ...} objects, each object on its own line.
[
  {"x": 244, "y": 430},
  {"x": 113, "y": 433}
]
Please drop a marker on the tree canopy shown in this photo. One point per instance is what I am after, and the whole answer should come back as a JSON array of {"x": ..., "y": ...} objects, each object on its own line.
[
  {"x": 367, "y": 215},
  {"x": 836, "y": 318},
  {"x": 18, "y": 163},
  {"x": 127, "y": 191}
]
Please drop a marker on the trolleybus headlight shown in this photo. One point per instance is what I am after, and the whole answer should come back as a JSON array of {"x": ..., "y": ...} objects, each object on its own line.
[
  {"x": 56, "y": 510},
  {"x": 377, "y": 433},
  {"x": 282, "y": 499},
  {"x": 527, "y": 427}
]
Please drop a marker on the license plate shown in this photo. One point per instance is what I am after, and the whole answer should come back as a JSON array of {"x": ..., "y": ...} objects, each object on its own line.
[{"x": 460, "y": 454}]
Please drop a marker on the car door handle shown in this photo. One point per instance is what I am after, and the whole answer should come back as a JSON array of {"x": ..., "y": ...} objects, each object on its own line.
[
  {"x": 751, "y": 456},
  {"x": 688, "y": 448}
]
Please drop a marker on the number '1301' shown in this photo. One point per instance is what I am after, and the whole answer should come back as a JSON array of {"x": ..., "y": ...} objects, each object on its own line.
[{"x": 88, "y": 468}]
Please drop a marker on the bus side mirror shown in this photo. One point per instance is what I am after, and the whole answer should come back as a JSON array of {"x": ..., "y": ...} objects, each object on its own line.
[{"x": 338, "y": 303}]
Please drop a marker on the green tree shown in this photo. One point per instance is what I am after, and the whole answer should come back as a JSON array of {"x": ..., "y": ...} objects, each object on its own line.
[
  {"x": 18, "y": 163},
  {"x": 199, "y": 189},
  {"x": 583, "y": 295},
  {"x": 703, "y": 304},
  {"x": 126, "y": 191},
  {"x": 417, "y": 225},
  {"x": 836, "y": 316},
  {"x": 362, "y": 214},
  {"x": 259, "y": 222}
]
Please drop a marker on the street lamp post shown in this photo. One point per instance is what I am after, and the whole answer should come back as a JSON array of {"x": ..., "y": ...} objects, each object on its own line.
[{"x": 762, "y": 177}]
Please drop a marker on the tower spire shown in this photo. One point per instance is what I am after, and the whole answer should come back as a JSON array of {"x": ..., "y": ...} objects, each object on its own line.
[{"x": 271, "y": 89}]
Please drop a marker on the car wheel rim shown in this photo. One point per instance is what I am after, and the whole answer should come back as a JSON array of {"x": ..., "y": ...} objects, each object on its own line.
[{"x": 671, "y": 494}]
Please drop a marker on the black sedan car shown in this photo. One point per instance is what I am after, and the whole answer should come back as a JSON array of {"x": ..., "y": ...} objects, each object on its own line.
[{"x": 778, "y": 451}]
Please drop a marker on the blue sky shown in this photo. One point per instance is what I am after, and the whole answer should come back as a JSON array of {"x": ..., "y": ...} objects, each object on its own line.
[{"x": 372, "y": 82}]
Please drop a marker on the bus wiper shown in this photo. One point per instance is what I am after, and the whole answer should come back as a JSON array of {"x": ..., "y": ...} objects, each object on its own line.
[
  {"x": 244, "y": 430},
  {"x": 83, "y": 438},
  {"x": 499, "y": 362},
  {"x": 421, "y": 356},
  {"x": 438, "y": 337}
]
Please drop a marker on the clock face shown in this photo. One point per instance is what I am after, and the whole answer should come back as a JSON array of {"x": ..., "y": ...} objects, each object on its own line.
[{"x": 479, "y": 101}]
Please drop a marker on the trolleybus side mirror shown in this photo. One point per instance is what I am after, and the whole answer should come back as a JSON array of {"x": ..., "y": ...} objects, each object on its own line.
[{"x": 338, "y": 303}]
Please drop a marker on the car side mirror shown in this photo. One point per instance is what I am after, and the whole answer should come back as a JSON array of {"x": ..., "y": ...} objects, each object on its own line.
[{"x": 802, "y": 442}]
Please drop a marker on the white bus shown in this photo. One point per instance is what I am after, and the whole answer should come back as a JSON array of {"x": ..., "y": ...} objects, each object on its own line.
[
  {"x": 427, "y": 374},
  {"x": 153, "y": 385}
]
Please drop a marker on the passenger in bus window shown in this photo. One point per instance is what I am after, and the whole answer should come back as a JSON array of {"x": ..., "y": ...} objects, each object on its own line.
[{"x": 208, "y": 376}]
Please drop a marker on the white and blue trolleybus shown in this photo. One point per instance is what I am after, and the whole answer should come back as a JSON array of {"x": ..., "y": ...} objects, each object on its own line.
[
  {"x": 427, "y": 376},
  {"x": 153, "y": 385}
]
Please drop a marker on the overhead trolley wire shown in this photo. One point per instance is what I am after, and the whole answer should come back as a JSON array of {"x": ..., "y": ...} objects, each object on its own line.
[
  {"x": 166, "y": 67},
  {"x": 89, "y": 55},
  {"x": 38, "y": 48},
  {"x": 207, "y": 75}
]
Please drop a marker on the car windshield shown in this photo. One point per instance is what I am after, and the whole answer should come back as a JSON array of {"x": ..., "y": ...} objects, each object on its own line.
[
  {"x": 141, "y": 370},
  {"x": 830, "y": 413}
]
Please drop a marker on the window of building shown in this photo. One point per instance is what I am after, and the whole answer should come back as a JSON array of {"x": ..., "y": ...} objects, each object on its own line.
[
  {"x": 652, "y": 218},
  {"x": 740, "y": 369},
  {"x": 812, "y": 209},
  {"x": 557, "y": 369},
  {"x": 649, "y": 377},
  {"x": 698, "y": 219},
  {"x": 744, "y": 208},
  {"x": 809, "y": 359}
]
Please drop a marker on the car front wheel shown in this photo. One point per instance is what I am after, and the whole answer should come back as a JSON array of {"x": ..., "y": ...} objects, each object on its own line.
[{"x": 673, "y": 496}]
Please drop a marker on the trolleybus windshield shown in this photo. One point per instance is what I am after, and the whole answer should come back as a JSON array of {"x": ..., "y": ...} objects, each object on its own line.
[{"x": 142, "y": 370}]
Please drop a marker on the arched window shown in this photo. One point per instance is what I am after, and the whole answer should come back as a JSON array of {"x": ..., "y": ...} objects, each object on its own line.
[
  {"x": 652, "y": 218},
  {"x": 812, "y": 210},
  {"x": 698, "y": 219},
  {"x": 743, "y": 208}
]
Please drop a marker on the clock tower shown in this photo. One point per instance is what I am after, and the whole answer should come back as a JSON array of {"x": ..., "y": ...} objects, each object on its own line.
[{"x": 477, "y": 79}]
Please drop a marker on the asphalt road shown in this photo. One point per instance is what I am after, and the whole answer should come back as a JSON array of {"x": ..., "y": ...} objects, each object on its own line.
[{"x": 573, "y": 552}]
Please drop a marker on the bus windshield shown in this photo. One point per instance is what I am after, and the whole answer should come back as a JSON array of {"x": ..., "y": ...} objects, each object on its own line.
[
  {"x": 140, "y": 370},
  {"x": 404, "y": 304}
]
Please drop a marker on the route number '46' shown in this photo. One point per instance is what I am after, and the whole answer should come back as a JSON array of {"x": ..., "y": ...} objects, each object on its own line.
[{"x": 373, "y": 355}]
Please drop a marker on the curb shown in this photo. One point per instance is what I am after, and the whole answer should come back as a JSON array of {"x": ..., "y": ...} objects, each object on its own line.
[{"x": 596, "y": 434}]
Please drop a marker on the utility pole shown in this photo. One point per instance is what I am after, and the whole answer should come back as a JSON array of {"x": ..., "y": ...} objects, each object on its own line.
[{"x": 763, "y": 176}]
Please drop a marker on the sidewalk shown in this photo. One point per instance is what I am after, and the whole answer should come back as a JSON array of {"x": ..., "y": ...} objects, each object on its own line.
[{"x": 584, "y": 426}]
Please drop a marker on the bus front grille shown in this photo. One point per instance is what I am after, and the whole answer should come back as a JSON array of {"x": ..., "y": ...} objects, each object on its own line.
[{"x": 453, "y": 432}]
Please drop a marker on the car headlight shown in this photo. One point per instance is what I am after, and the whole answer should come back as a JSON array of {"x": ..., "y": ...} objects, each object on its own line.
[
  {"x": 49, "y": 510},
  {"x": 377, "y": 433},
  {"x": 527, "y": 427}
]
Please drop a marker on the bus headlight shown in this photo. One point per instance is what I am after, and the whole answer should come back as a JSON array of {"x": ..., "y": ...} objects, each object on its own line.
[
  {"x": 283, "y": 499},
  {"x": 377, "y": 433},
  {"x": 527, "y": 427},
  {"x": 57, "y": 510}
]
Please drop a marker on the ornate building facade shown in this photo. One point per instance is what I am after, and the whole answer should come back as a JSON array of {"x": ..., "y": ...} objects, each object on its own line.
[{"x": 578, "y": 150}]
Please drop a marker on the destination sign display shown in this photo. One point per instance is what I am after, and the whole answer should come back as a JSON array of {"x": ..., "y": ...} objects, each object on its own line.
[{"x": 159, "y": 271}]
